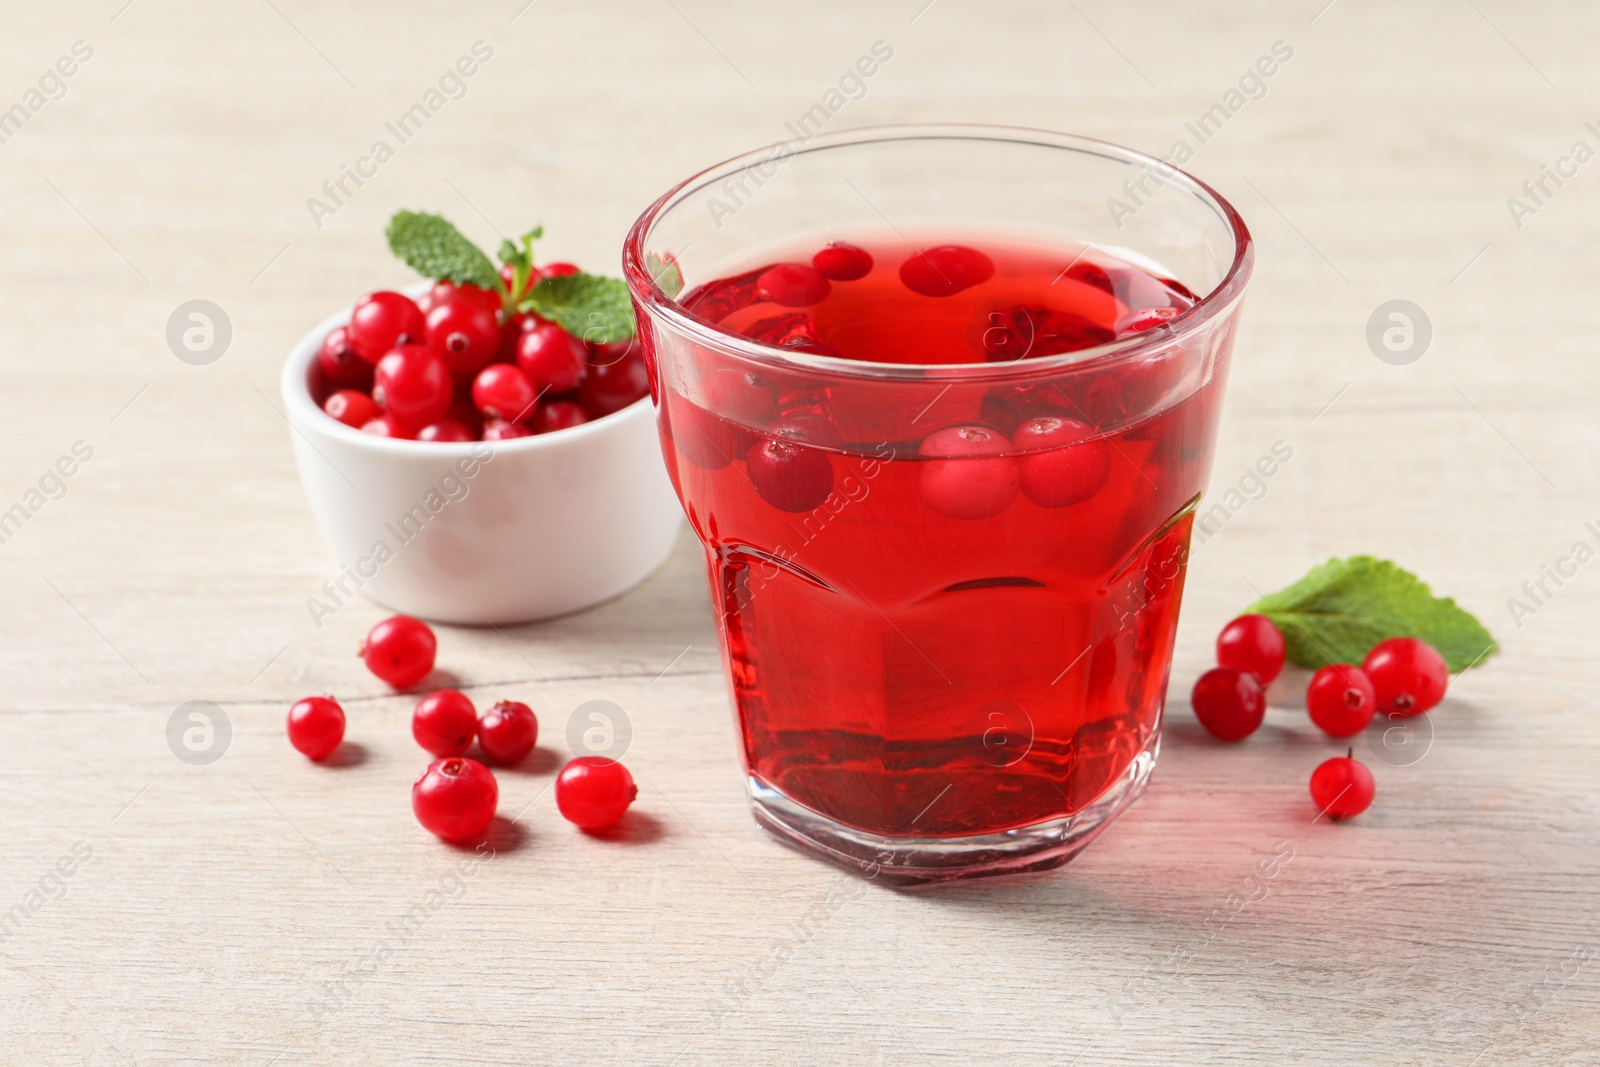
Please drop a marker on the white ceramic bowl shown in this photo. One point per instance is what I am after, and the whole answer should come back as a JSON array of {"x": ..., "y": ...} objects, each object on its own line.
[{"x": 486, "y": 531}]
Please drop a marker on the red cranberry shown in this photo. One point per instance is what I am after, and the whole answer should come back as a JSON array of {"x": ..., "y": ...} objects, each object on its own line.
[
  {"x": 1072, "y": 467},
  {"x": 413, "y": 385},
  {"x": 388, "y": 426},
  {"x": 446, "y": 430},
  {"x": 383, "y": 321},
  {"x": 508, "y": 278},
  {"x": 1341, "y": 700},
  {"x": 611, "y": 387},
  {"x": 702, "y": 438},
  {"x": 341, "y": 367},
  {"x": 604, "y": 355},
  {"x": 843, "y": 262},
  {"x": 1230, "y": 704},
  {"x": 400, "y": 650},
  {"x": 1342, "y": 787},
  {"x": 503, "y": 430},
  {"x": 455, "y": 798},
  {"x": 558, "y": 270},
  {"x": 553, "y": 359},
  {"x": 793, "y": 285},
  {"x": 466, "y": 331},
  {"x": 351, "y": 407},
  {"x": 507, "y": 732},
  {"x": 502, "y": 391},
  {"x": 739, "y": 394},
  {"x": 316, "y": 726},
  {"x": 554, "y": 415},
  {"x": 1145, "y": 319},
  {"x": 946, "y": 270},
  {"x": 1252, "y": 643},
  {"x": 466, "y": 414},
  {"x": 965, "y": 473},
  {"x": 788, "y": 475},
  {"x": 593, "y": 792},
  {"x": 1408, "y": 676},
  {"x": 445, "y": 722}
]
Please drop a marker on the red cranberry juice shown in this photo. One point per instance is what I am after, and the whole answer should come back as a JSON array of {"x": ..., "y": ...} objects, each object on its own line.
[{"x": 947, "y": 610}]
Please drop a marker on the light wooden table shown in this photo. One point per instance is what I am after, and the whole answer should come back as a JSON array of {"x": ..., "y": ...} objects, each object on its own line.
[{"x": 257, "y": 910}]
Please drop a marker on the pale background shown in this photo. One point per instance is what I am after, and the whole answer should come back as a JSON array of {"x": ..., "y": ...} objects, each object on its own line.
[{"x": 1453, "y": 923}]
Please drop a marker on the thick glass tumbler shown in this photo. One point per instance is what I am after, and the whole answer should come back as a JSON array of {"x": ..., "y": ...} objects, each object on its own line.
[{"x": 945, "y": 472}]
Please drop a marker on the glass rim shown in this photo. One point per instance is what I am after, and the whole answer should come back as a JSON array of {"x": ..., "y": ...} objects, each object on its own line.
[{"x": 647, "y": 291}]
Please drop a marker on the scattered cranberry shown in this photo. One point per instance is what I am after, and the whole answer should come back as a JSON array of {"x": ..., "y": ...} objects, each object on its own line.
[
  {"x": 340, "y": 365},
  {"x": 507, "y": 732},
  {"x": 1252, "y": 643},
  {"x": 793, "y": 285},
  {"x": 1145, "y": 319},
  {"x": 946, "y": 270},
  {"x": 503, "y": 430},
  {"x": 966, "y": 474},
  {"x": 400, "y": 650},
  {"x": 556, "y": 415},
  {"x": 610, "y": 387},
  {"x": 382, "y": 321},
  {"x": 593, "y": 792},
  {"x": 413, "y": 385},
  {"x": 502, "y": 391},
  {"x": 789, "y": 475},
  {"x": 842, "y": 262},
  {"x": 388, "y": 426},
  {"x": 466, "y": 331},
  {"x": 1342, "y": 787},
  {"x": 1408, "y": 675},
  {"x": 1341, "y": 700},
  {"x": 455, "y": 798},
  {"x": 351, "y": 407},
  {"x": 553, "y": 359},
  {"x": 445, "y": 430},
  {"x": 316, "y": 726},
  {"x": 1229, "y": 703},
  {"x": 445, "y": 722},
  {"x": 1072, "y": 467}
]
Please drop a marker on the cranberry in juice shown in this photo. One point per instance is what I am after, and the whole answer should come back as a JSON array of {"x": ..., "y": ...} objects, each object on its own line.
[{"x": 947, "y": 606}]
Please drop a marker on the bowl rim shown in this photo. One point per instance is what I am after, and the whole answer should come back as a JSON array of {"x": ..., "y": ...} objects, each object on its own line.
[{"x": 303, "y": 412}]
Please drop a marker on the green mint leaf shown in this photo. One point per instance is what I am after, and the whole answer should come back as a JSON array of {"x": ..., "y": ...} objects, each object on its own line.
[
  {"x": 434, "y": 248},
  {"x": 589, "y": 306},
  {"x": 666, "y": 273},
  {"x": 1338, "y": 611},
  {"x": 509, "y": 253}
]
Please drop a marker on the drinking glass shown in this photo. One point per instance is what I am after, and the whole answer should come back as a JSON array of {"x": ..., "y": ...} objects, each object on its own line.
[{"x": 924, "y": 692}]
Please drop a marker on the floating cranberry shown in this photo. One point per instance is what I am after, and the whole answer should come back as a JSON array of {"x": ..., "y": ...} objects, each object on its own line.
[
  {"x": 1342, "y": 787},
  {"x": 739, "y": 394},
  {"x": 593, "y": 792},
  {"x": 383, "y": 321},
  {"x": 966, "y": 474},
  {"x": 702, "y": 438},
  {"x": 843, "y": 262},
  {"x": 555, "y": 415},
  {"x": 413, "y": 385},
  {"x": 502, "y": 391},
  {"x": 445, "y": 431},
  {"x": 553, "y": 359},
  {"x": 316, "y": 726},
  {"x": 1252, "y": 643},
  {"x": 508, "y": 731},
  {"x": 351, "y": 407},
  {"x": 1073, "y": 467},
  {"x": 455, "y": 798},
  {"x": 341, "y": 367},
  {"x": 400, "y": 650},
  {"x": 1230, "y": 704},
  {"x": 789, "y": 475},
  {"x": 946, "y": 270},
  {"x": 444, "y": 722},
  {"x": 1341, "y": 700},
  {"x": 1408, "y": 675},
  {"x": 504, "y": 430},
  {"x": 466, "y": 331},
  {"x": 793, "y": 285}
]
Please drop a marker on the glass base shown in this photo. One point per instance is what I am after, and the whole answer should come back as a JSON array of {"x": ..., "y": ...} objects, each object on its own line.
[{"x": 913, "y": 861}]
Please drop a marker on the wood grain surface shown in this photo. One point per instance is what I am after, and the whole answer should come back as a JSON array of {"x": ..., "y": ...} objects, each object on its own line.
[{"x": 258, "y": 910}]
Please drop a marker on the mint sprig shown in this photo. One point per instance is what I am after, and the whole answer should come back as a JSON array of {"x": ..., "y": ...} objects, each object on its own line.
[
  {"x": 434, "y": 248},
  {"x": 1339, "y": 610},
  {"x": 588, "y": 306}
]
